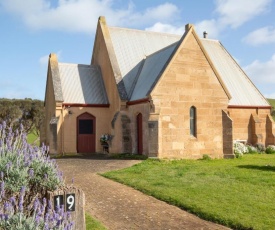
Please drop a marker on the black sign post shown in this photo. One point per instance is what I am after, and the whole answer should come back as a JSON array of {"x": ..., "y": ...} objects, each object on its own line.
[
  {"x": 58, "y": 201},
  {"x": 70, "y": 202}
]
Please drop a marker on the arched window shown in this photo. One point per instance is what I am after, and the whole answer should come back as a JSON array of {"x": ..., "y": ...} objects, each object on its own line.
[{"x": 193, "y": 121}]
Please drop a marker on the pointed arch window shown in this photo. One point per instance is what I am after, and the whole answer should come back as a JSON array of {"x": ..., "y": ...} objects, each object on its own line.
[{"x": 193, "y": 121}]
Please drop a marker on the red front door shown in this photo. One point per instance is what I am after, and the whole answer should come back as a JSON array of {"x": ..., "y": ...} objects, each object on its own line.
[
  {"x": 86, "y": 133},
  {"x": 139, "y": 134}
]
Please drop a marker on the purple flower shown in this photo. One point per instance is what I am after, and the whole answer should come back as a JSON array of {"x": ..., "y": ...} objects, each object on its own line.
[
  {"x": 46, "y": 226},
  {"x": 22, "y": 191},
  {"x": 37, "y": 220},
  {"x": 7, "y": 207},
  {"x": 8, "y": 165},
  {"x": 36, "y": 204},
  {"x": 31, "y": 173},
  {"x": 20, "y": 207},
  {"x": 12, "y": 200},
  {"x": 44, "y": 201},
  {"x": 2, "y": 187}
]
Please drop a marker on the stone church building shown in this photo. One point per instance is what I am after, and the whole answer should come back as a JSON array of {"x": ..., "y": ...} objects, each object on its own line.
[{"x": 157, "y": 94}]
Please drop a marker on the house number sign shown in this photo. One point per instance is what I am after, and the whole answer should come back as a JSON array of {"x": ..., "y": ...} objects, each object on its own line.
[{"x": 69, "y": 202}]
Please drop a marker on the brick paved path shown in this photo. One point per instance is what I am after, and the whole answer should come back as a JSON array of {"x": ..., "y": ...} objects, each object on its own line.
[{"x": 120, "y": 207}]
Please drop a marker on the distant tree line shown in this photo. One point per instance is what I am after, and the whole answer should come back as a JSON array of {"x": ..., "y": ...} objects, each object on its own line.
[{"x": 28, "y": 112}]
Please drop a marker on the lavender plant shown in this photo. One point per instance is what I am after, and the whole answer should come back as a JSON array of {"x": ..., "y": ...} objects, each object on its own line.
[
  {"x": 26, "y": 174},
  {"x": 24, "y": 165}
]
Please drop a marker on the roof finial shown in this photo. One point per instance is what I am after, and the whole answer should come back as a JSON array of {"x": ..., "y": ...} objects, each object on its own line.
[{"x": 188, "y": 27}]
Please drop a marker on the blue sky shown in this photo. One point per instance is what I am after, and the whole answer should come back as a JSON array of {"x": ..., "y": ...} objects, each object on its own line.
[{"x": 32, "y": 29}]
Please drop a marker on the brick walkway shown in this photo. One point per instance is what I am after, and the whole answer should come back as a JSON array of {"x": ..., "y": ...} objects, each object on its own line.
[{"x": 120, "y": 207}]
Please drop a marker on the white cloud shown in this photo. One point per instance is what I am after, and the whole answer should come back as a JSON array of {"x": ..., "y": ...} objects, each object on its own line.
[
  {"x": 166, "y": 28},
  {"x": 262, "y": 72},
  {"x": 230, "y": 13},
  {"x": 164, "y": 11},
  {"x": 234, "y": 13},
  {"x": 212, "y": 27},
  {"x": 260, "y": 36},
  {"x": 82, "y": 15}
]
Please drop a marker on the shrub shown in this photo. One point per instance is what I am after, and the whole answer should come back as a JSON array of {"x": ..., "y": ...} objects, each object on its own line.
[
  {"x": 270, "y": 149},
  {"x": 206, "y": 157},
  {"x": 252, "y": 149},
  {"x": 260, "y": 147},
  {"x": 26, "y": 174},
  {"x": 240, "y": 149}
]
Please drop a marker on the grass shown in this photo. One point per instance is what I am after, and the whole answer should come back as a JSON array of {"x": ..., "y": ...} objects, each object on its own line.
[
  {"x": 93, "y": 224},
  {"x": 238, "y": 193},
  {"x": 272, "y": 103},
  {"x": 31, "y": 138}
]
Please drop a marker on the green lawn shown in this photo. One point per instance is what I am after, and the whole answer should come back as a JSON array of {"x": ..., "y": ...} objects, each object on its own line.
[
  {"x": 238, "y": 193},
  {"x": 93, "y": 224}
]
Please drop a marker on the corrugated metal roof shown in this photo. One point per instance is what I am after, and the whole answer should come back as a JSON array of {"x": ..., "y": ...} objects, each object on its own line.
[
  {"x": 82, "y": 84},
  {"x": 150, "y": 71},
  {"x": 132, "y": 46},
  {"x": 139, "y": 73},
  {"x": 241, "y": 88}
]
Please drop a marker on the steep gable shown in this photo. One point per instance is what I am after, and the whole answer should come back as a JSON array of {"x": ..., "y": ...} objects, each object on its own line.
[
  {"x": 132, "y": 47},
  {"x": 190, "y": 52},
  {"x": 105, "y": 57}
]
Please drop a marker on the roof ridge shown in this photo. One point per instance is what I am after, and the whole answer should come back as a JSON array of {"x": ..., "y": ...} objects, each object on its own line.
[
  {"x": 146, "y": 31},
  {"x": 76, "y": 64},
  {"x": 161, "y": 50}
]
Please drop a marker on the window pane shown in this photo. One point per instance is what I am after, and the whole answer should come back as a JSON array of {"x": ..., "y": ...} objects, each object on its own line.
[
  {"x": 193, "y": 121},
  {"x": 85, "y": 127},
  {"x": 192, "y": 112}
]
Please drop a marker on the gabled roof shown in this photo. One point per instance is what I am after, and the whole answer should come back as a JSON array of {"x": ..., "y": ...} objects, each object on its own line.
[
  {"x": 152, "y": 66},
  {"x": 142, "y": 55},
  {"x": 243, "y": 91},
  {"x": 82, "y": 84},
  {"x": 132, "y": 46}
]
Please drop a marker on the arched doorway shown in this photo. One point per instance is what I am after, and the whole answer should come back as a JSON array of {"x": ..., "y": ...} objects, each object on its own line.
[
  {"x": 86, "y": 124},
  {"x": 139, "y": 134}
]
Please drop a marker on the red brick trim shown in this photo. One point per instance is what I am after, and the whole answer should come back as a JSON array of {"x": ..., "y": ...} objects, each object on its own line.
[
  {"x": 144, "y": 100},
  {"x": 248, "y": 107}
]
